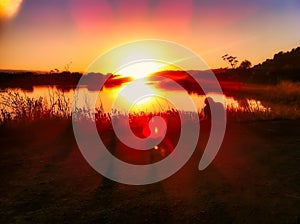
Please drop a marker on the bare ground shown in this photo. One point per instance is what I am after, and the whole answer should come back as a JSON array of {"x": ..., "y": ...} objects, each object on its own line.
[{"x": 255, "y": 178}]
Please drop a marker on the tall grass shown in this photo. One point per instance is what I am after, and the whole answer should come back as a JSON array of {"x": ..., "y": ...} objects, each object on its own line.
[
  {"x": 18, "y": 107},
  {"x": 273, "y": 102},
  {"x": 249, "y": 110},
  {"x": 281, "y": 101},
  {"x": 285, "y": 92}
]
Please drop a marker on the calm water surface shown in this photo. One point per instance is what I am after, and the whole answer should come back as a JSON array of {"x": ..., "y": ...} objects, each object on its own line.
[{"x": 151, "y": 103}]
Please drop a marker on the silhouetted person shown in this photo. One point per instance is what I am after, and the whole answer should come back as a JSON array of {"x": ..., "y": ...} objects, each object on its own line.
[
  {"x": 207, "y": 112},
  {"x": 217, "y": 107}
]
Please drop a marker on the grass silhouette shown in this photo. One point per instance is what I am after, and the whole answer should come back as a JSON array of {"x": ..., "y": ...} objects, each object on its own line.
[{"x": 271, "y": 102}]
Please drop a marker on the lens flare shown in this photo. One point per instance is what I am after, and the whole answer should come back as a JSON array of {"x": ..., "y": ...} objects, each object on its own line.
[
  {"x": 9, "y": 8},
  {"x": 97, "y": 154}
]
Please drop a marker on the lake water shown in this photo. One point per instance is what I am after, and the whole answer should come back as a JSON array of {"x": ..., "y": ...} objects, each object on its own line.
[{"x": 156, "y": 98}]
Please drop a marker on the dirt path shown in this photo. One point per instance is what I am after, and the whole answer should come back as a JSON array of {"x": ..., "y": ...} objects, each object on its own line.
[{"x": 254, "y": 179}]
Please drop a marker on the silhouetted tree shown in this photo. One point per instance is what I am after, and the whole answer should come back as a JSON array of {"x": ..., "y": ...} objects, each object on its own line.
[
  {"x": 67, "y": 67},
  {"x": 245, "y": 65},
  {"x": 54, "y": 71},
  {"x": 231, "y": 60}
]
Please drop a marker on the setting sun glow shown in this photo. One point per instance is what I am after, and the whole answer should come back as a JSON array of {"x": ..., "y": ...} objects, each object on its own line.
[{"x": 141, "y": 69}]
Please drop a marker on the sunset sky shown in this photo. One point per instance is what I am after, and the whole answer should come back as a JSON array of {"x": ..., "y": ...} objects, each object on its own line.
[{"x": 48, "y": 34}]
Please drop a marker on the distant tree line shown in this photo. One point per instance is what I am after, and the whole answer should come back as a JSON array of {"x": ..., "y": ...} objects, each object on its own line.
[
  {"x": 63, "y": 80},
  {"x": 26, "y": 80},
  {"x": 283, "y": 66}
]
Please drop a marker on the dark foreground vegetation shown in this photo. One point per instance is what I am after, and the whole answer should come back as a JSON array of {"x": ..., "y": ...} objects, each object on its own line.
[{"x": 254, "y": 179}]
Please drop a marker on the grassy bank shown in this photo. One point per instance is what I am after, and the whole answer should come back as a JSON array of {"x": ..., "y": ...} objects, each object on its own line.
[{"x": 253, "y": 179}]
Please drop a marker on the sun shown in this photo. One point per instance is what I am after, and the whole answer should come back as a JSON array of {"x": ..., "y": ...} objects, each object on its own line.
[
  {"x": 141, "y": 69},
  {"x": 137, "y": 92},
  {"x": 9, "y": 8}
]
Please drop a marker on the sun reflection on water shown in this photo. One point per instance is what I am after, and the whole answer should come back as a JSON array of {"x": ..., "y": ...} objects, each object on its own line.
[{"x": 151, "y": 103}]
